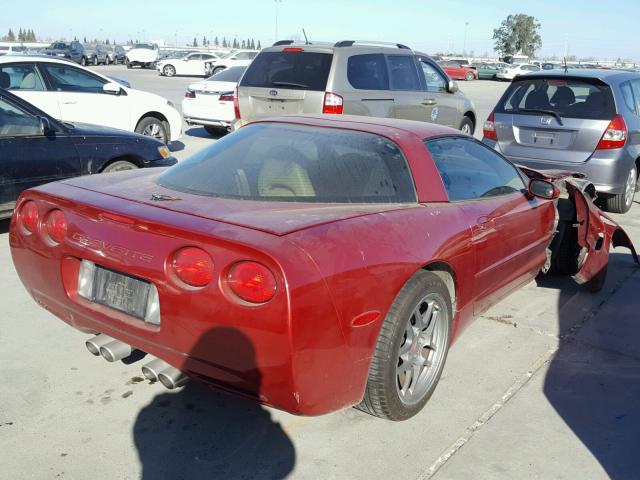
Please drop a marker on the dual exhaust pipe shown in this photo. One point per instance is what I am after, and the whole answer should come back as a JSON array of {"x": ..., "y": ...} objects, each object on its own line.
[{"x": 113, "y": 350}]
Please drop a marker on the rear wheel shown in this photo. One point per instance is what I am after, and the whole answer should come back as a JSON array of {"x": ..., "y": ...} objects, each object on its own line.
[
  {"x": 469, "y": 76},
  {"x": 621, "y": 203},
  {"x": 217, "y": 70},
  {"x": 83, "y": 61},
  {"x": 94, "y": 61},
  {"x": 411, "y": 349},
  {"x": 467, "y": 126},
  {"x": 128, "y": 63},
  {"x": 169, "y": 70},
  {"x": 119, "y": 165},
  {"x": 153, "y": 127}
]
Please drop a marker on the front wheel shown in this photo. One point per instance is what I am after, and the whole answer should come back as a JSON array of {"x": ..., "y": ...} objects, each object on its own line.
[
  {"x": 411, "y": 349},
  {"x": 621, "y": 203},
  {"x": 169, "y": 70},
  {"x": 217, "y": 70},
  {"x": 153, "y": 127},
  {"x": 128, "y": 63},
  {"x": 83, "y": 61},
  {"x": 467, "y": 126},
  {"x": 469, "y": 76},
  {"x": 94, "y": 62},
  {"x": 119, "y": 166}
]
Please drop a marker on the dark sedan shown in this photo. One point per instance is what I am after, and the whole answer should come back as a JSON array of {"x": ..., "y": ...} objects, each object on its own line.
[{"x": 36, "y": 149}]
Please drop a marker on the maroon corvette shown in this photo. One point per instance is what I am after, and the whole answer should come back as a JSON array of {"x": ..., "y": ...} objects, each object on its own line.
[{"x": 311, "y": 263}]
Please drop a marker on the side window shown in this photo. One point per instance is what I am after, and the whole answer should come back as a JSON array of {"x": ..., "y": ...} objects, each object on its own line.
[
  {"x": 433, "y": 78},
  {"x": 470, "y": 170},
  {"x": 635, "y": 86},
  {"x": 403, "y": 72},
  {"x": 16, "y": 122},
  {"x": 627, "y": 95},
  {"x": 243, "y": 56},
  {"x": 368, "y": 72},
  {"x": 20, "y": 76},
  {"x": 195, "y": 56},
  {"x": 207, "y": 57},
  {"x": 69, "y": 79}
]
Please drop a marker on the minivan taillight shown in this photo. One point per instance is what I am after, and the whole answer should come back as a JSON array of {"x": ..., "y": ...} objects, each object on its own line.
[
  {"x": 489, "y": 128},
  {"x": 615, "y": 136},
  {"x": 333, "y": 103},
  {"x": 236, "y": 104}
]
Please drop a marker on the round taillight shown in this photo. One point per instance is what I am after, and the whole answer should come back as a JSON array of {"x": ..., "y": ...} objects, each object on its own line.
[
  {"x": 252, "y": 282},
  {"x": 193, "y": 266},
  {"x": 56, "y": 225},
  {"x": 29, "y": 216}
]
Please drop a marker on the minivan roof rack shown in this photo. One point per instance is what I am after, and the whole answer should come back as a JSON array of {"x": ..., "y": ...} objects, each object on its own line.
[
  {"x": 350, "y": 43},
  {"x": 282, "y": 42}
]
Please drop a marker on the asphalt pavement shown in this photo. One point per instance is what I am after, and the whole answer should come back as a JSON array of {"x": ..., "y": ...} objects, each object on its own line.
[{"x": 543, "y": 386}]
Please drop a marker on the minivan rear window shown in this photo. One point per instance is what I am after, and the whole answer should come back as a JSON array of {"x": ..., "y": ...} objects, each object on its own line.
[
  {"x": 566, "y": 97},
  {"x": 297, "y": 163},
  {"x": 297, "y": 70}
]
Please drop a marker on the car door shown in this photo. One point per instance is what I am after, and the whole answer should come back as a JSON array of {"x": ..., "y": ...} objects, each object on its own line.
[
  {"x": 193, "y": 65},
  {"x": 28, "y": 157},
  {"x": 445, "y": 106},
  {"x": 81, "y": 98},
  {"x": 510, "y": 229},
  {"x": 409, "y": 98},
  {"x": 25, "y": 80}
]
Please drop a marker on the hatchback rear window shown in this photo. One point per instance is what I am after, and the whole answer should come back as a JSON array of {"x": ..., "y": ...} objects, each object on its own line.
[
  {"x": 571, "y": 98},
  {"x": 295, "y": 163},
  {"x": 298, "y": 70}
]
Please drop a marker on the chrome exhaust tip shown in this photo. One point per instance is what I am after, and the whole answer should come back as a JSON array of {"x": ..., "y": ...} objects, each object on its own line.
[
  {"x": 172, "y": 378},
  {"x": 153, "y": 368},
  {"x": 94, "y": 343},
  {"x": 115, "y": 350}
]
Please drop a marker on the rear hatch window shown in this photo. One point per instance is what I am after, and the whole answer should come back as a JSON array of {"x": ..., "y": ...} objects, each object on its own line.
[
  {"x": 296, "y": 70},
  {"x": 295, "y": 163},
  {"x": 565, "y": 97}
]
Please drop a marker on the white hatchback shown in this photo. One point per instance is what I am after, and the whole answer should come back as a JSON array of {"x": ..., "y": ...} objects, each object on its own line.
[
  {"x": 210, "y": 102},
  {"x": 72, "y": 93},
  {"x": 189, "y": 64}
]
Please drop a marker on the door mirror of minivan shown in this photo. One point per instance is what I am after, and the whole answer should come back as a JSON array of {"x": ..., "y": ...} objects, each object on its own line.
[
  {"x": 452, "y": 87},
  {"x": 112, "y": 88},
  {"x": 543, "y": 189}
]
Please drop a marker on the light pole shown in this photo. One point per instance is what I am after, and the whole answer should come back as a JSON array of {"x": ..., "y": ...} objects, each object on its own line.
[
  {"x": 464, "y": 47},
  {"x": 277, "y": 2}
]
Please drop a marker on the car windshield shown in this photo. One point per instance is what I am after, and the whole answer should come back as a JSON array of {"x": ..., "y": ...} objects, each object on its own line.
[
  {"x": 231, "y": 74},
  {"x": 293, "y": 69},
  {"x": 295, "y": 163},
  {"x": 566, "y": 97},
  {"x": 59, "y": 46}
]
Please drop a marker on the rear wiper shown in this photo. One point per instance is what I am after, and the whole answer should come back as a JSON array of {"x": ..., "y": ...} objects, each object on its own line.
[
  {"x": 546, "y": 112},
  {"x": 290, "y": 84}
]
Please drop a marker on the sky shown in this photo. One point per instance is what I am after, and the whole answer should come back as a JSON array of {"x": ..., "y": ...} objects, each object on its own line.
[{"x": 585, "y": 28}]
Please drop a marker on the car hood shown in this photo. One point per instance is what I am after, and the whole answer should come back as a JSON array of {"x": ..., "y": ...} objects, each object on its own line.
[
  {"x": 86, "y": 133},
  {"x": 278, "y": 218}
]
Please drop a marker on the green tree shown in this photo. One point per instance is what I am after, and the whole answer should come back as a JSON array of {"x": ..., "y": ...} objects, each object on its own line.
[
  {"x": 195, "y": 42},
  {"x": 253, "y": 44},
  {"x": 518, "y": 34},
  {"x": 85, "y": 40},
  {"x": 11, "y": 37},
  {"x": 216, "y": 42},
  {"x": 235, "y": 43},
  {"x": 243, "y": 45},
  {"x": 204, "y": 41},
  {"x": 259, "y": 46}
]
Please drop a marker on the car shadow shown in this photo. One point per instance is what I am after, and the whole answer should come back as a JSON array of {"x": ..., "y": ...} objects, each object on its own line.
[
  {"x": 176, "y": 146},
  {"x": 593, "y": 381},
  {"x": 4, "y": 225},
  {"x": 199, "y": 433},
  {"x": 200, "y": 132}
]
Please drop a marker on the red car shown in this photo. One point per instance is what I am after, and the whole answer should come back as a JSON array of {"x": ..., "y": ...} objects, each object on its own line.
[
  {"x": 458, "y": 72},
  {"x": 309, "y": 262}
]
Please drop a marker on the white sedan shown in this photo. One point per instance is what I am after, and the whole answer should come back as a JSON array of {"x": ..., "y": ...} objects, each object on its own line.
[
  {"x": 210, "y": 102},
  {"x": 509, "y": 73},
  {"x": 72, "y": 93},
  {"x": 189, "y": 64},
  {"x": 239, "y": 58}
]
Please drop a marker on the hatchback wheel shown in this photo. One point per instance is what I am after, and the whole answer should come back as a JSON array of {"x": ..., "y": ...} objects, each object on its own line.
[
  {"x": 119, "y": 166},
  {"x": 411, "y": 349},
  {"x": 621, "y": 203},
  {"x": 153, "y": 127},
  {"x": 469, "y": 76}
]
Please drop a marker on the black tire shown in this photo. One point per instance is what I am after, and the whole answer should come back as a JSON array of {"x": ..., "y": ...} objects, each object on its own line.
[
  {"x": 94, "y": 61},
  {"x": 215, "y": 131},
  {"x": 621, "y": 203},
  {"x": 153, "y": 127},
  {"x": 467, "y": 126},
  {"x": 83, "y": 61},
  {"x": 469, "y": 76},
  {"x": 382, "y": 396},
  {"x": 107, "y": 60},
  {"x": 118, "y": 166},
  {"x": 217, "y": 70},
  {"x": 127, "y": 63},
  {"x": 169, "y": 70}
]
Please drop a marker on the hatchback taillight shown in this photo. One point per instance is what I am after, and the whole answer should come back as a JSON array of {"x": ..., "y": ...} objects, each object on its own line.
[
  {"x": 193, "y": 266},
  {"x": 615, "y": 136},
  {"x": 489, "y": 128},
  {"x": 28, "y": 216},
  {"x": 190, "y": 94},
  {"x": 236, "y": 105},
  {"x": 56, "y": 225},
  {"x": 333, "y": 103},
  {"x": 252, "y": 282}
]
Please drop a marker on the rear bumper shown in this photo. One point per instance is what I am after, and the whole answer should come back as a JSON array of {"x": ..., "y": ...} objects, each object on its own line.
[
  {"x": 208, "y": 122},
  {"x": 606, "y": 169}
]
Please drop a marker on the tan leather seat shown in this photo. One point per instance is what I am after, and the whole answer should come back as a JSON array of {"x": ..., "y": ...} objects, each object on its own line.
[
  {"x": 28, "y": 82},
  {"x": 284, "y": 178}
]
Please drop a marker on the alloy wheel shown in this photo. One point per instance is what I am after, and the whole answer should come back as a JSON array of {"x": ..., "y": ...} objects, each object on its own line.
[
  {"x": 153, "y": 130},
  {"x": 630, "y": 187}
]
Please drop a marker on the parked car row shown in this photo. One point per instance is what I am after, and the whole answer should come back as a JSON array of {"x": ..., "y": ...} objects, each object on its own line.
[{"x": 86, "y": 54}]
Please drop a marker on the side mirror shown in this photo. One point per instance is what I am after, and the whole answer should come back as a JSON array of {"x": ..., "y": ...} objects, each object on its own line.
[
  {"x": 45, "y": 126},
  {"x": 111, "y": 88},
  {"x": 452, "y": 87},
  {"x": 543, "y": 189}
]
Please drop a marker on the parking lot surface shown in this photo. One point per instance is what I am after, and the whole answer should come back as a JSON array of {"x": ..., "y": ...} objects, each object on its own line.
[{"x": 545, "y": 385}]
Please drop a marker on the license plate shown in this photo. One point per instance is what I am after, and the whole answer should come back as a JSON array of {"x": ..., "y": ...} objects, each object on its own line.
[{"x": 122, "y": 292}]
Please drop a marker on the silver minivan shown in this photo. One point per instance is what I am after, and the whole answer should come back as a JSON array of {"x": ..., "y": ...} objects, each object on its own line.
[
  {"x": 585, "y": 121},
  {"x": 348, "y": 77}
]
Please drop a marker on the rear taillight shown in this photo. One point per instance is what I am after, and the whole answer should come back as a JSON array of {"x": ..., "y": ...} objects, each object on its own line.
[
  {"x": 236, "y": 105},
  {"x": 332, "y": 103},
  {"x": 293, "y": 49},
  {"x": 190, "y": 94},
  {"x": 227, "y": 97},
  {"x": 615, "y": 136},
  {"x": 193, "y": 266},
  {"x": 56, "y": 225},
  {"x": 489, "y": 128},
  {"x": 28, "y": 216},
  {"x": 252, "y": 282}
]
